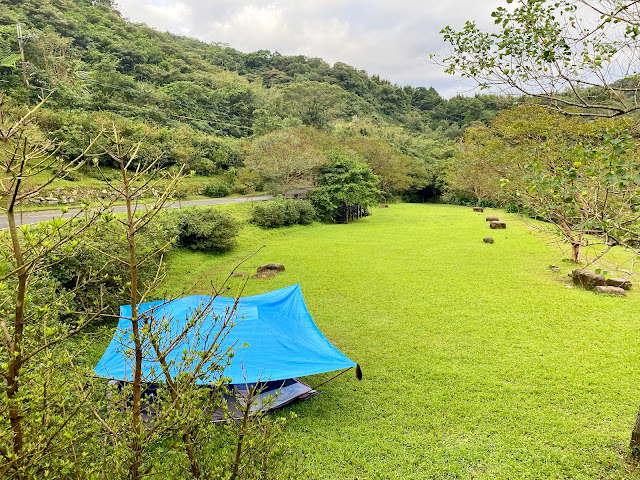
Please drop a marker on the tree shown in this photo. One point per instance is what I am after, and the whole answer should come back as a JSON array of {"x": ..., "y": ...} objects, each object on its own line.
[
  {"x": 579, "y": 176},
  {"x": 346, "y": 188},
  {"x": 8, "y": 59},
  {"x": 398, "y": 172},
  {"x": 171, "y": 406},
  {"x": 287, "y": 159},
  {"x": 473, "y": 177},
  {"x": 40, "y": 409},
  {"x": 425, "y": 99},
  {"x": 594, "y": 193},
  {"x": 574, "y": 56},
  {"x": 314, "y": 103}
]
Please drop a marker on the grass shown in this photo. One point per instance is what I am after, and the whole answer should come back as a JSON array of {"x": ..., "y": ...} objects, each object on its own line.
[{"x": 478, "y": 360}]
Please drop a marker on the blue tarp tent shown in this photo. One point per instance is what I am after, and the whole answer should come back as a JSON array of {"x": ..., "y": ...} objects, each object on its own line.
[{"x": 283, "y": 341}]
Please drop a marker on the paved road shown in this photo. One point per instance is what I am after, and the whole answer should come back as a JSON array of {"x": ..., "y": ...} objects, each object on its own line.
[{"x": 43, "y": 216}]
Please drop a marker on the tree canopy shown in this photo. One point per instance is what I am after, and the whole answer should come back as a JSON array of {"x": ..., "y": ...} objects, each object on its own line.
[
  {"x": 345, "y": 185},
  {"x": 574, "y": 56}
]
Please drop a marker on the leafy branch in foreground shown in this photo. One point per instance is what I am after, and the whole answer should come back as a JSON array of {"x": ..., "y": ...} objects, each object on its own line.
[
  {"x": 40, "y": 411},
  {"x": 575, "y": 56}
]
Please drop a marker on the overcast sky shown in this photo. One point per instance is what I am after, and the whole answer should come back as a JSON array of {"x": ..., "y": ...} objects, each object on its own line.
[{"x": 390, "y": 38}]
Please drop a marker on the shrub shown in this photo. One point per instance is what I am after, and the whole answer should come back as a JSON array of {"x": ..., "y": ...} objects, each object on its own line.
[
  {"x": 512, "y": 208},
  {"x": 291, "y": 212},
  {"x": 458, "y": 198},
  {"x": 216, "y": 190},
  {"x": 277, "y": 213},
  {"x": 91, "y": 264},
  {"x": 268, "y": 214},
  {"x": 204, "y": 229},
  {"x": 248, "y": 181},
  {"x": 182, "y": 191},
  {"x": 201, "y": 166},
  {"x": 306, "y": 211},
  {"x": 487, "y": 203},
  {"x": 345, "y": 188}
]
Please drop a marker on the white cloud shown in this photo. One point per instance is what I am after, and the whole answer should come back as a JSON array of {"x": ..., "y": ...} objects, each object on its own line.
[{"x": 391, "y": 39}]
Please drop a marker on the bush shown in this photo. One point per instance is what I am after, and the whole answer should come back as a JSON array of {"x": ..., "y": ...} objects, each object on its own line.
[
  {"x": 307, "y": 212},
  {"x": 201, "y": 166},
  {"x": 291, "y": 212},
  {"x": 459, "y": 198},
  {"x": 346, "y": 187},
  {"x": 248, "y": 181},
  {"x": 277, "y": 213},
  {"x": 204, "y": 229},
  {"x": 217, "y": 190},
  {"x": 182, "y": 191},
  {"x": 512, "y": 208},
  {"x": 268, "y": 214},
  {"x": 104, "y": 280},
  {"x": 487, "y": 203}
]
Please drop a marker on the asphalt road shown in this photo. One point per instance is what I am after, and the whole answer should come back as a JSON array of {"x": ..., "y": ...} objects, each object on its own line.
[{"x": 28, "y": 218}]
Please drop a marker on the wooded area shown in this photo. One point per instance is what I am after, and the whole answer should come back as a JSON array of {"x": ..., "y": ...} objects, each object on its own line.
[{"x": 215, "y": 109}]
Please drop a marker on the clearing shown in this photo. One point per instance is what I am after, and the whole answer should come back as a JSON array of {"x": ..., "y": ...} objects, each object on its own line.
[{"x": 478, "y": 360}]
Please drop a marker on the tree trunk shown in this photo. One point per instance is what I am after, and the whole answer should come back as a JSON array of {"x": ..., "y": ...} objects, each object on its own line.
[
  {"x": 136, "y": 445},
  {"x": 575, "y": 253},
  {"x": 15, "y": 347},
  {"x": 576, "y": 247}
]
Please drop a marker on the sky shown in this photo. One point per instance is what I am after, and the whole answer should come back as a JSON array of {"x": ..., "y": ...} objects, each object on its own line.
[{"x": 392, "y": 39}]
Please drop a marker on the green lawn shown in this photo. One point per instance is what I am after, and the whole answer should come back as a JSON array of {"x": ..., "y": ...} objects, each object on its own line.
[{"x": 478, "y": 360}]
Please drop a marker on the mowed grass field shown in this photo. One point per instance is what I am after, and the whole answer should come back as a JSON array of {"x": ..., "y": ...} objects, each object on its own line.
[{"x": 478, "y": 360}]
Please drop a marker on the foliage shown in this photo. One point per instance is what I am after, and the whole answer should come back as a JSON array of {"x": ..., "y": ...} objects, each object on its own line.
[
  {"x": 277, "y": 213},
  {"x": 305, "y": 213},
  {"x": 217, "y": 190},
  {"x": 314, "y": 102},
  {"x": 57, "y": 421},
  {"x": 577, "y": 57},
  {"x": 104, "y": 281},
  {"x": 247, "y": 181},
  {"x": 172, "y": 406},
  {"x": 579, "y": 176},
  {"x": 398, "y": 172},
  {"x": 192, "y": 100},
  {"x": 268, "y": 214},
  {"x": 595, "y": 195},
  {"x": 35, "y": 359},
  {"x": 8, "y": 59},
  {"x": 343, "y": 184},
  {"x": 287, "y": 159},
  {"x": 201, "y": 228}
]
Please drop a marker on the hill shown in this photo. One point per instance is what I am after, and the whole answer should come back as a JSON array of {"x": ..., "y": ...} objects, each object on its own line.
[{"x": 202, "y": 104}]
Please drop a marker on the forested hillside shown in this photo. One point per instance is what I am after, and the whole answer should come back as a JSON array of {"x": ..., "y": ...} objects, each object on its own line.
[{"x": 203, "y": 105}]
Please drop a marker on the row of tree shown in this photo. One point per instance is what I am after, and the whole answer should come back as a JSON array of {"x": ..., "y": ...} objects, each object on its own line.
[
  {"x": 96, "y": 60},
  {"x": 582, "y": 177}
]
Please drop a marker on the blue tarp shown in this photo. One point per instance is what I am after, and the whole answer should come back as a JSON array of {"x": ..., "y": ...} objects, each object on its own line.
[{"x": 283, "y": 341}]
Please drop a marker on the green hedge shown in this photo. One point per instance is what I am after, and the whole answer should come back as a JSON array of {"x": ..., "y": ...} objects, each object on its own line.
[{"x": 277, "y": 213}]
